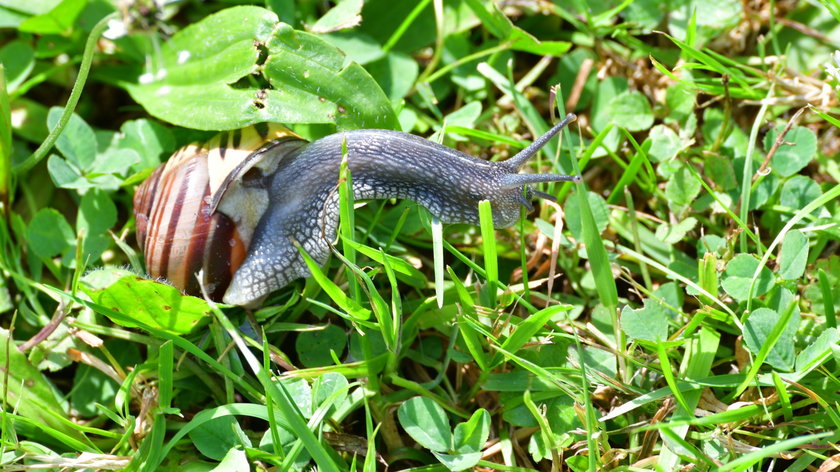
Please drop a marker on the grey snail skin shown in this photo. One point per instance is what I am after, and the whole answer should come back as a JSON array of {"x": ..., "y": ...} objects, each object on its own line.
[{"x": 234, "y": 207}]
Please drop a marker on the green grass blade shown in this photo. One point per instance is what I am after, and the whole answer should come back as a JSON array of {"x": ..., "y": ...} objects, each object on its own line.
[
  {"x": 5, "y": 144},
  {"x": 282, "y": 399},
  {"x": 746, "y": 180},
  {"x": 73, "y": 100},
  {"x": 491, "y": 261},
  {"x": 828, "y": 299},
  {"x": 746, "y": 461},
  {"x": 349, "y": 305},
  {"x": 347, "y": 220},
  {"x": 766, "y": 347},
  {"x": 823, "y": 199},
  {"x": 437, "y": 251}
]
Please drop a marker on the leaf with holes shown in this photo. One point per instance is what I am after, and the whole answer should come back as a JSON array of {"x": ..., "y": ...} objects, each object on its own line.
[{"x": 211, "y": 81}]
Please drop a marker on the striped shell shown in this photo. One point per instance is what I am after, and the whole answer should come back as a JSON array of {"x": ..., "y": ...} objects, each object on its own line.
[{"x": 198, "y": 211}]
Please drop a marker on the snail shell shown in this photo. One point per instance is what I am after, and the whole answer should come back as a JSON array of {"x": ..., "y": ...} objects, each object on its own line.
[{"x": 183, "y": 223}]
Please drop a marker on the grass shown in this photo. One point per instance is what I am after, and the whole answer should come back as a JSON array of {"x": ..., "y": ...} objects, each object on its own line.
[{"x": 674, "y": 311}]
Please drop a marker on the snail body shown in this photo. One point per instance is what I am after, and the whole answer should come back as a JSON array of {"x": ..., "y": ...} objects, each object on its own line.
[{"x": 243, "y": 210}]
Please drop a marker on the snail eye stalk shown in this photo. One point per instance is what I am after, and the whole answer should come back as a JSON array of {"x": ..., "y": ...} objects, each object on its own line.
[{"x": 517, "y": 161}]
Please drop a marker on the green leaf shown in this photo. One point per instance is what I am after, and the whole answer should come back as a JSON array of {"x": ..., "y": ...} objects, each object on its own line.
[
  {"x": 345, "y": 14},
  {"x": 201, "y": 41},
  {"x": 396, "y": 74},
  {"x": 92, "y": 386},
  {"x": 465, "y": 116},
  {"x": 426, "y": 422},
  {"x": 680, "y": 99},
  {"x": 115, "y": 162},
  {"x": 646, "y": 14},
  {"x": 64, "y": 175},
  {"x": 665, "y": 144},
  {"x": 682, "y": 188},
  {"x": 720, "y": 171},
  {"x": 458, "y": 461},
  {"x": 327, "y": 385},
  {"x": 596, "y": 252},
  {"x": 97, "y": 214},
  {"x": 818, "y": 351},
  {"x": 30, "y": 7},
  {"x": 757, "y": 329},
  {"x": 49, "y": 234},
  {"x": 199, "y": 58},
  {"x": 358, "y": 46},
  {"x": 215, "y": 437},
  {"x": 672, "y": 234},
  {"x": 10, "y": 18},
  {"x": 471, "y": 435},
  {"x": 404, "y": 270},
  {"x": 313, "y": 347},
  {"x": 18, "y": 58},
  {"x": 738, "y": 277},
  {"x": 152, "y": 303},
  {"x": 59, "y": 20},
  {"x": 711, "y": 18},
  {"x": 600, "y": 213},
  {"x": 77, "y": 142},
  {"x": 30, "y": 120},
  {"x": 300, "y": 393},
  {"x": 798, "y": 192},
  {"x": 306, "y": 67},
  {"x": 711, "y": 243},
  {"x": 491, "y": 258},
  {"x": 234, "y": 461},
  {"x": 631, "y": 111},
  {"x": 648, "y": 323},
  {"x": 149, "y": 139},
  {"x": 791, "y": 158},
  {"x": 764, "y": 190},
  {"x": 793, "y": 256}
]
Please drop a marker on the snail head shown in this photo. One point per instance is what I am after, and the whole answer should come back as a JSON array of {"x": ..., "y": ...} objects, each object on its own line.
[{"x": 514, "y": 190}]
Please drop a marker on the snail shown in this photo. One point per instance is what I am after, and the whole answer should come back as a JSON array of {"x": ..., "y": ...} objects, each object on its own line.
[{"x": 235, "y": 206}]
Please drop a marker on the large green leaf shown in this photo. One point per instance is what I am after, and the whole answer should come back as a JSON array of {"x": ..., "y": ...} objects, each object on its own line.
[
  {"x": 206, "y": 80},
  {"x": 152, "y": 303},
  {"x": 302, "y": 66}
]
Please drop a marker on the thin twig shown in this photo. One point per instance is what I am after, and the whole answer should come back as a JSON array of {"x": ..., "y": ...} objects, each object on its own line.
[
  {"x": 580, "y": 82},
  {"x": 48, "y": 329},
  {"x": 779, "y": 140}
]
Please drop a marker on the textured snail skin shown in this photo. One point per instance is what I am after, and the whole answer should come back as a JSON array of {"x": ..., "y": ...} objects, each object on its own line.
[{"x": 303, "y": 197}]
